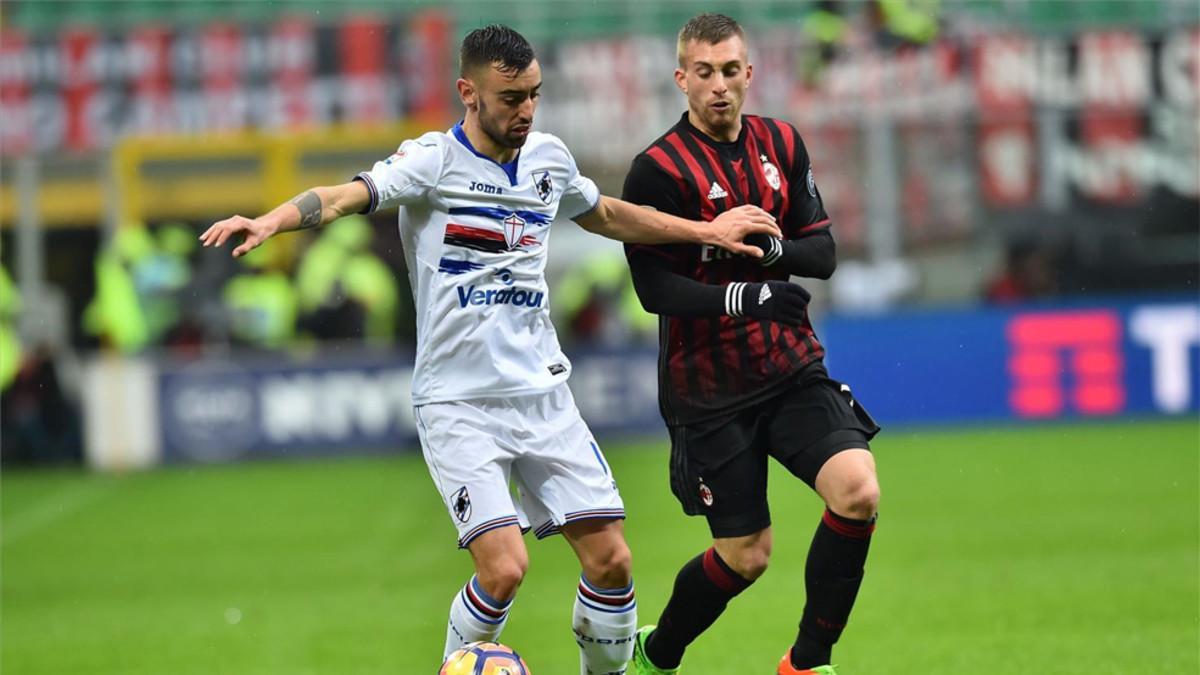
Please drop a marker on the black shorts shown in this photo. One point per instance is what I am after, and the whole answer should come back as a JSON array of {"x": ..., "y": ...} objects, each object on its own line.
[{"x": 719, "y": 465}]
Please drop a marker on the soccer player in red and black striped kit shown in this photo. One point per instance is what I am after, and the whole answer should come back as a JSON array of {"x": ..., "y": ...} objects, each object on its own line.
[{"x": 741, "y": 376}]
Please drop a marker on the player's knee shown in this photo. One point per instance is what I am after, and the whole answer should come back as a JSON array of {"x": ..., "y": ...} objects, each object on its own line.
[
  {"x": 502, "y": 577},
  {"x": 610, "y": 568},
  {"x": 750, "y": 561},
  {"x": 754, "y": 564},
  {"x": 859, "y": 501}
]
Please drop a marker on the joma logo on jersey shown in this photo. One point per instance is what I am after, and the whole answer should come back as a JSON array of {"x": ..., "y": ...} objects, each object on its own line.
[
  {"x": 470, "y": 295},
  {"x": 485, "y": 188}
]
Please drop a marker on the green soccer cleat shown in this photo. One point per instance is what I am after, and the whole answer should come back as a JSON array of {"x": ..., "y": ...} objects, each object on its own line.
[{"x": 641, "y": 663}]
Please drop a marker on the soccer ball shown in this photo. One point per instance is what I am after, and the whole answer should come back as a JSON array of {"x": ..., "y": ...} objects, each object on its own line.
[{"x": 484, "y": 658}]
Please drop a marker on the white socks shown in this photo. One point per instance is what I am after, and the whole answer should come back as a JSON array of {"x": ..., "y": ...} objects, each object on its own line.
[
  {"x": 474, "y": 617},
  {"x": 605, "y": 621}
]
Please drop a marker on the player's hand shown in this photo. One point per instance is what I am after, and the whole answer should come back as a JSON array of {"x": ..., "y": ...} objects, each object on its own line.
[
  {"x": 772, "y": 247},
  {"x": 779, "y": 301},
  {"x": 730, "y": 229},
  {"x": 253, "y": 232}
]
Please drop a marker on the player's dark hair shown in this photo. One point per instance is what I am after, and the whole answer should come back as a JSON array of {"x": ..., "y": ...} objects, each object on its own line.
[
  {"x": 495, "y": 44},
  {"x": 709, "y": 28}
]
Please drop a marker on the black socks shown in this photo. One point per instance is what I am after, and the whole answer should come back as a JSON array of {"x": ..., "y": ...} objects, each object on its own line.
[
  {"x": 831, "y": 578},
  {"x": 703, "y": 587}
]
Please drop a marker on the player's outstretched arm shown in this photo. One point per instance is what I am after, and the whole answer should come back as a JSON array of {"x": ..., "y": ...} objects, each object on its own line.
[
  {"x": 623, "y": 221},
  {"x": 311, "y": 208}
]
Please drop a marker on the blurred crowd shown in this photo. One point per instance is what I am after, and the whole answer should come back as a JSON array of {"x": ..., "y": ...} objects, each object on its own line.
[
  {"x": 38, "y": 421},
  {"x": 154, "y": 289}
]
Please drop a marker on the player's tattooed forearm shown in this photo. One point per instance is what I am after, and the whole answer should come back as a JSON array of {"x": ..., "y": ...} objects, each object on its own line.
[{"x": 310, "y": 209}]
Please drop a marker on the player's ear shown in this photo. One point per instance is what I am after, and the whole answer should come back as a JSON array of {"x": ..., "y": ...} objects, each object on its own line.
[
  {"x": 681, "y": 80},
  {"x": 749, "y": 73},
  {"x": 467, "y": 93}
]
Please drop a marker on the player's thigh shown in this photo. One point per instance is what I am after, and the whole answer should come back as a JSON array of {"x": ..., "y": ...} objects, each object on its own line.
[
  {"x": 815, "y": 421},
  {"x": 561, "y": 473},
  {"x": 469, "y": 467},
  {"x": 719, "y": 471}
]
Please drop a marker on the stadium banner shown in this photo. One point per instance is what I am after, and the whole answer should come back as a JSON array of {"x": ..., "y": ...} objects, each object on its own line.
[
  {"x": 1032, "y": 362},
  {"x": 965, "y": 365},
  {"x": 1035, "y": 362},
  {"x": 228, "y": 411}
]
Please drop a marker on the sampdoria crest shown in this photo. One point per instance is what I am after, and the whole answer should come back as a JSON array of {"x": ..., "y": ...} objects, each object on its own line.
[
  {"x": 543, "y": 185},
  {"x": 460, "y": 501}
]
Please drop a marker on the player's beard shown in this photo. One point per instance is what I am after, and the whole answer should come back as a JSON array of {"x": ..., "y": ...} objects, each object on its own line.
[
  {"x": 499, "y": 136},
  {"x": 721, "y": 122}
]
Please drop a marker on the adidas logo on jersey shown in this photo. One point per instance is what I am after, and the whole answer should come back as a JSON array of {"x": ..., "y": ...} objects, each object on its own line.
[
  {"x": 716, "y": 192},
  {"x": 765, "y": 294}
]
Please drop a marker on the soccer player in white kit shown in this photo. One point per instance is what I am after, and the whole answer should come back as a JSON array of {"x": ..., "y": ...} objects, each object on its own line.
[{"x": 490, "y": 384}]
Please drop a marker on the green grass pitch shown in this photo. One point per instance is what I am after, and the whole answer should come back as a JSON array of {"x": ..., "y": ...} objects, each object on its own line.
[{"x": 1047, "y": 549}]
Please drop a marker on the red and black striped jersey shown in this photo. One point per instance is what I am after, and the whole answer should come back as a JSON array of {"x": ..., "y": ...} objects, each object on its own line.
[{"x": 713, "y": 365}]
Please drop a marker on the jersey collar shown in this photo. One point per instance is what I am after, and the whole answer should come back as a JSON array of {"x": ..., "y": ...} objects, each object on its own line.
[{"x": 509, "y": 168}]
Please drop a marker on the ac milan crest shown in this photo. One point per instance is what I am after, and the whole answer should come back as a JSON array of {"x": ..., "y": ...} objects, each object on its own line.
[
  {"x": 771, "y": 172},
  {"x": 514, "y": 229},
  {"x": 543, "y": 185},
  {"x": 706, "y": 494}
]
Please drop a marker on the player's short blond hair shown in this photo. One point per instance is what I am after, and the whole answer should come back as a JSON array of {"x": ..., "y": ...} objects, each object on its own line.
[{"x": 708, "y": 27}]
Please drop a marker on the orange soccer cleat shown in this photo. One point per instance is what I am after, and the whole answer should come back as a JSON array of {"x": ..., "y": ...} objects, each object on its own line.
[{"x": 786, "y": 668}]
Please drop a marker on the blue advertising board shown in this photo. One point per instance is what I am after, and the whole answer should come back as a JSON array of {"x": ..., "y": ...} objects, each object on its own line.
[
  {"x": 230, "y": 410},
  {"x": 1034, "y": 362}
]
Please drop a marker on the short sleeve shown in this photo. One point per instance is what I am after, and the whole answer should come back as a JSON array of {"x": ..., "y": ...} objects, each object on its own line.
[
  {"x": 407, "y": 176},
  {"x": 581, "y": 195}
]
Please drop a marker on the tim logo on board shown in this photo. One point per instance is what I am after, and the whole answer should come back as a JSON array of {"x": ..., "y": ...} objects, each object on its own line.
[{"x": 1086, "y": 360}]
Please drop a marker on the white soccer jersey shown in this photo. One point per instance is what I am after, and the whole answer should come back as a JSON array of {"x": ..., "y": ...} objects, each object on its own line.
[{"x": 475, "y": 234}]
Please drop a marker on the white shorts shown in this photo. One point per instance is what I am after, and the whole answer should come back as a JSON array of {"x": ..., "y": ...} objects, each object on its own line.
[{"x": 473, "y": 448}]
